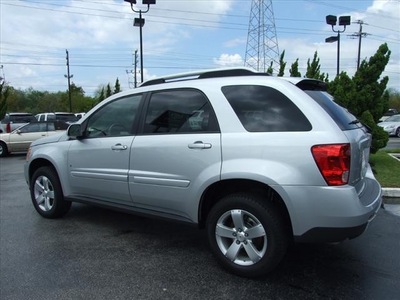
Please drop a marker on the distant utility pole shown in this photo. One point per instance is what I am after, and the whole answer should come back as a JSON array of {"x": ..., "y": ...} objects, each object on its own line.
[
  {"x": 135, "y": 62},
  {"x": 134, "y": 71},
  {"x": 360, "y": 34},
  {"x": 68, "y": 76}
]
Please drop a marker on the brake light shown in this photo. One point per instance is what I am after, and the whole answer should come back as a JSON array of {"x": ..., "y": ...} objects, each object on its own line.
[
  {"x": 333, "y": 162},
  {"x": 8, "y": 127}
]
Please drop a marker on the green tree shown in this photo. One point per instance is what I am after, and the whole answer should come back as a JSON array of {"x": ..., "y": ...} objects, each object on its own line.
[
  {"x": 314, "y": 69},
  {"x": 365, "y": 95},
  {"x": 270, "y": 69},
  {"x": 4, "y": 92},
  {"x": 294, "y": 69},
  {"x": 371, "y": 90},
  {"x": 117, "y": 86},
  {"x": 394, "y": 99},
  {"x": 108, "y": 91},
  {"x": 282, "y": 64}
]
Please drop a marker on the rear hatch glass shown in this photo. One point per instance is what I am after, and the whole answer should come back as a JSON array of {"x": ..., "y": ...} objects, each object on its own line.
[{"x": 356, "y": 133}]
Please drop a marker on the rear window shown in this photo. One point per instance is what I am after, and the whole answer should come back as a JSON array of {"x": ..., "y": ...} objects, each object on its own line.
[
  {"x": 343, "y": 118},
  {"x": 66, "y": 117},
  {"x": 19, "y": 118},
  {"x": 264, "y": 109}
]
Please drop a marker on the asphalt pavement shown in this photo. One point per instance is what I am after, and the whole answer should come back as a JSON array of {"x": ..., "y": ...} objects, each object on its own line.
[{"x": 94, "y": 253}]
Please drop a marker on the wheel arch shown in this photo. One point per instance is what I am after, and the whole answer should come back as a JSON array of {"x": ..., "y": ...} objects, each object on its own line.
[
  {"x": 220, "y": 189},
  {"x": 38, "y": 163}
]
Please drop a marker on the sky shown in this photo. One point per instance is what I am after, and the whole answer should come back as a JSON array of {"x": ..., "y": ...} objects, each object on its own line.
[{"x": 179, "y": 36}]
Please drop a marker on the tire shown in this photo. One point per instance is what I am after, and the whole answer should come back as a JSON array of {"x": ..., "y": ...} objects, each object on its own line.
[
  {"x": 259, "y": 231},
  {"x": 398, "y": 132},
  {"x": 46, "y": 194},
  {"x": 3, "y": 149}
]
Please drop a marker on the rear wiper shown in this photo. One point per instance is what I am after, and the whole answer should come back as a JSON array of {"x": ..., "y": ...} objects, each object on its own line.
[{"x": 356, "y": 121}]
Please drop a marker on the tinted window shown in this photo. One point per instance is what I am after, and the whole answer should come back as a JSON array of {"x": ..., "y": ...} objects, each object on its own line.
[
  {"x": 64, "y": 117},
  {"x": 179, "y": 111},
  {"x": 264, "y": 109},
  {"x": 115, "y": 118},
  {"x": 34, "y": 127},
  {"x": 395, "y": 118},
  {"x": 344, "y": 119}
]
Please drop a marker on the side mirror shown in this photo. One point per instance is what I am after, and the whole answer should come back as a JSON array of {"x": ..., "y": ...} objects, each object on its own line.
[{"x": 75, "y": 131}]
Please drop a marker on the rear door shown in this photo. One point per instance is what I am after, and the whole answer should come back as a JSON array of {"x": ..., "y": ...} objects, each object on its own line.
[{"x": 177, "y": 153}]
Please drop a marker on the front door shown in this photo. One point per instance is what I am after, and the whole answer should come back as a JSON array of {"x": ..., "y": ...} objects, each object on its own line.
[{"x": 99, "y": 162}]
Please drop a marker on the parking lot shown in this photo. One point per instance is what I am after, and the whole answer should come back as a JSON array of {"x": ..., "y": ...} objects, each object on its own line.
[{"x": 93, "y": 253}]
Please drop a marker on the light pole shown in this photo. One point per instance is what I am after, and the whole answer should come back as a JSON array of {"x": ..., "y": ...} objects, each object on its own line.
[
  {"x": 139, "y": 22},
  {"x": 343, "y": 21}
]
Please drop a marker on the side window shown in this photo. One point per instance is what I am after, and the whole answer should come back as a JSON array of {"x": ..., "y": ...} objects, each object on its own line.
[
  {"x": 264, "y": 109},
  {"x": 115, "y": 118},
  {"x": 179, "y": 111},
  {"x": 34, "y": 127},
  {"x": 50, "y": 127}
]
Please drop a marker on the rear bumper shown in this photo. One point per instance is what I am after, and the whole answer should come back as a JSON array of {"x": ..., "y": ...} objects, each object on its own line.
[{"x": 332, "y": 214}]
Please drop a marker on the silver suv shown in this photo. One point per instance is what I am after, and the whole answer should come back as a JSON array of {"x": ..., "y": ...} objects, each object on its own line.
[{"x": 258, "y": 161}]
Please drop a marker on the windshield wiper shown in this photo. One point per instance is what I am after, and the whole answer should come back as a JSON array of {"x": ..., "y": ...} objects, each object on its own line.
[{"x": 354, "y": 122}]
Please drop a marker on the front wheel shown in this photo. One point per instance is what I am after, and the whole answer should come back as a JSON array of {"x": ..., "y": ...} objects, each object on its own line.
[
  {"x": 3, "y": 149},
  {"x": 46, "y": 193},
  {"x": 247, "y": 234},
  {"x": 398, "y": 132}
]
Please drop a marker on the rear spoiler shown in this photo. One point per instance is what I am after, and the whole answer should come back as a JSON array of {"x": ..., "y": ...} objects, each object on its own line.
[{"x": 312, "y": 85}]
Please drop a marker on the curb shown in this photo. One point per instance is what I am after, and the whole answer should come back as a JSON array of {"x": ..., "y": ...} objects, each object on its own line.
[{"x": 391, "y": 192}]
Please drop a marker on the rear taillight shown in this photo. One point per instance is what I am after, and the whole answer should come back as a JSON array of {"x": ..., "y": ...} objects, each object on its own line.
[
  {"x": 8, "y": 127},
  {"x": 334, "y": 162}
]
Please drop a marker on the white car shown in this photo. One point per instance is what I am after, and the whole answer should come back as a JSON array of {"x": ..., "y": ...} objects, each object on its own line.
[
  {"x": 391, "y": 125},
  {"x": 20, "y": 139}
]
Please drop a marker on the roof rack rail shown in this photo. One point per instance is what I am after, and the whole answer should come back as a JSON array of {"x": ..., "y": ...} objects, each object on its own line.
[{"x": 203, "y": 74}]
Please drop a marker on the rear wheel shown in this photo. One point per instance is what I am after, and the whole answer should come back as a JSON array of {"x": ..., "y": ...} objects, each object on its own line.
[
  {"x": 398, "y": 132},
  {"x": 247, "y": 234},
  {"x": 46, "y": 194},
  {"x": 3, "y": 149}
]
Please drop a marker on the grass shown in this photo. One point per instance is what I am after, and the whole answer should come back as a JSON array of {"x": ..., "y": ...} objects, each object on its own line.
[{"x": 386, "y": 168}]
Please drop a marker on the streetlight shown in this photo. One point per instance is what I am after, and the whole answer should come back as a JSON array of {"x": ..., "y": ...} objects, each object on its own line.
[
  {"x": 343, "y": 21},
  {"x": 139, "y": 22}
]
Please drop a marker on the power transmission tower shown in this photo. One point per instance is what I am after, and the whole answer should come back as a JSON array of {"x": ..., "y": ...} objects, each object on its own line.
[
  {"x": 360, "y": 34},
  {"x": 262, "y": 42}
]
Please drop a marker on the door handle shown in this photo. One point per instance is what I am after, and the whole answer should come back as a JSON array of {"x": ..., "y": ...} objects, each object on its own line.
[
  {"x": 119, "y": 147},
  {"x": 200, "y": 145}
]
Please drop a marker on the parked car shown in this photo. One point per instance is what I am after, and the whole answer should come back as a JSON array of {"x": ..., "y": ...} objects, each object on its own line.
[
  {"x": 66, "y": 117},
  {"x": 13, "y": 120},
  {"x": 258, "y": 161},
  {"x": 20, "y": 139},
  {"x": 391, "y": 125},
  {"x": 79, "y": 115},
  {"x": 386, "y": 115}
]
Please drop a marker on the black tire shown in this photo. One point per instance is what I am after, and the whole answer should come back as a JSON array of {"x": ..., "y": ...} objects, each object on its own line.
[
  {"x": 3, "y": 149},
  {"x": 254, "y": 213},
  {"x": 46, "y": 194},
  {"x": 398, "y": 132}
]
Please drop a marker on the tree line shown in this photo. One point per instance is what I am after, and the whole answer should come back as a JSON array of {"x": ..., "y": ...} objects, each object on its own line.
[{"x": 365, "y": 94}]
